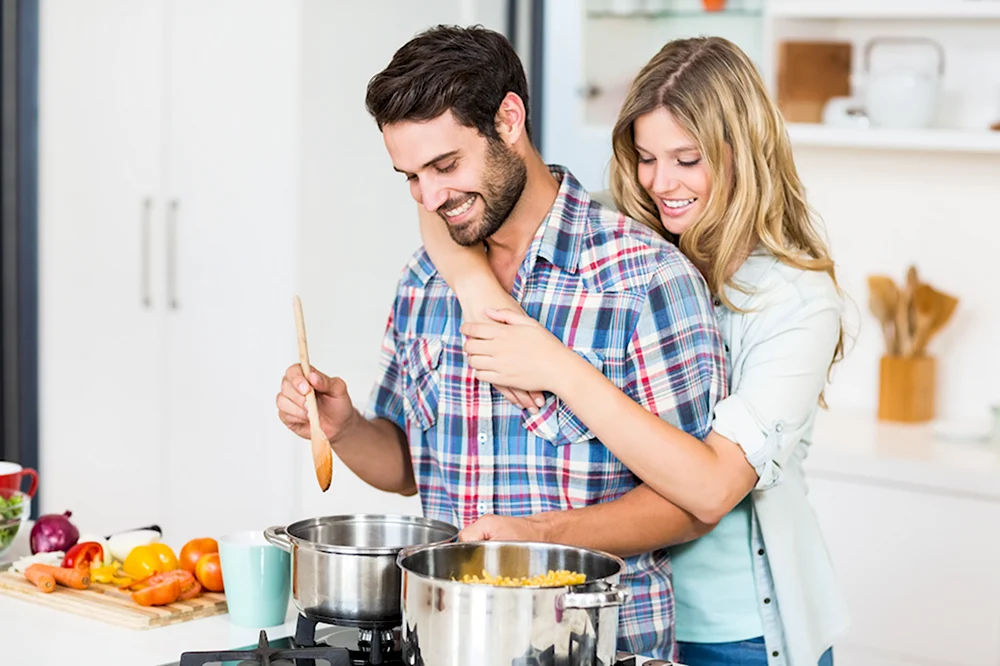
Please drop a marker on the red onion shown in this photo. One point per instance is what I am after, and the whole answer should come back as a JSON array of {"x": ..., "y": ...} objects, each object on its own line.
[{"x": 53, "y": 532}]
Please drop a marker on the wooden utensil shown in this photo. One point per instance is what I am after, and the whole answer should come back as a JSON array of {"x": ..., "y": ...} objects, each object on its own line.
[
  {"x": 322, "y": 455},
  {"x": 883, "y": 298},
  {"x": 904, "y": 313},
  {"x": 943, "y": 311},
  {"x": 932, "y": 310}
]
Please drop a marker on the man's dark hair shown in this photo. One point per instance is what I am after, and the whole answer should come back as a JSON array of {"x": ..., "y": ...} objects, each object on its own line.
[{"x": 467, "y": 71}]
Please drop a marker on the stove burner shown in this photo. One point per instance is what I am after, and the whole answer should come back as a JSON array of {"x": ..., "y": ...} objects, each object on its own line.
[
  {"x": 376, "y": 640},
  {"x": 375, "y": 645},
  {"x": 349, "y": 646},
  {"x": 265, "y": 655}
]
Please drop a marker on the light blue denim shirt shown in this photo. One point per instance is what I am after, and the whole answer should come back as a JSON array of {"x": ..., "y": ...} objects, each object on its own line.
[
  {"x": 779, "y": 343},
  {"x": 780, "y": 340}
]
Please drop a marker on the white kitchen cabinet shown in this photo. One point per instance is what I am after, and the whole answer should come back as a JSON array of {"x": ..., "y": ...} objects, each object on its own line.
[
  {"x": 918, "y": 568},
  {"x": 168, "y": 211}
]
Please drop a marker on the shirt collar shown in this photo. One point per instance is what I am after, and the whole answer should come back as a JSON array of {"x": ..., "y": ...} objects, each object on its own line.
[
  {"x": 560, "y": 236},
  {"x": 558, "y": 239}
]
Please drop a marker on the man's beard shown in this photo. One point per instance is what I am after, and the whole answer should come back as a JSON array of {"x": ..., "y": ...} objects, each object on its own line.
[{"x": 503, "y": 182}]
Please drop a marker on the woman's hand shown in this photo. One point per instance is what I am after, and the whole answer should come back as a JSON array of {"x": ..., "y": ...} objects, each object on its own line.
[{"x": 514, "y": 350}]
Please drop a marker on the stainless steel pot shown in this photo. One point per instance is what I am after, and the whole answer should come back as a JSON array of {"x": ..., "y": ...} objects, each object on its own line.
[
  {"x": 449, "y": 622},
  {"x": 344, "y": 567}
]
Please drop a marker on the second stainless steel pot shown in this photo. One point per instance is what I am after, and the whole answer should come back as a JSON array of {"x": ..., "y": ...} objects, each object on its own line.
[
  {"x": 344, "y": 567},
  {"x": 446, "y": 621}
]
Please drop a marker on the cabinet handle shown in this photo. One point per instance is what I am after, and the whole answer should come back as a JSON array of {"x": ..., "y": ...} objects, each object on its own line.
[
  {"x": 147, "y": 208},
  {"x": 172, "y": 255}
]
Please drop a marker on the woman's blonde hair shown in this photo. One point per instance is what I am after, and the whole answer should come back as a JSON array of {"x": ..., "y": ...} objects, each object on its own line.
[{"x": 713, "y": 91}]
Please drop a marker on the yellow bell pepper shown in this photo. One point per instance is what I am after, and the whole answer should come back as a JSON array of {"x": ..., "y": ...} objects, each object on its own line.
[
  {"x": 110, "y": 574},
  {"x": 143, "y": 561}
]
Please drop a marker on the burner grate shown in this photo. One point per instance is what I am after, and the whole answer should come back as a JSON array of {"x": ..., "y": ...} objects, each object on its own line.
[
  {"x": 368, "y": 647},
  {"x": 265, "y": 655}
]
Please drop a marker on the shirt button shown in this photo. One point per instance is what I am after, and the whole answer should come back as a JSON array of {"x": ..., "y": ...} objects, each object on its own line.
[
  {"x": 779, "y": 427},
  {"x": 774, "y": 654},
  {"x": 726, "y": 347},
  {"x": 760, "y": 551},
  {"x": 767, "y": 600},
  {"x": 482, "y": 438},
  {"x": 482, "y": 508},
  {"x": 716, "y": 301}
]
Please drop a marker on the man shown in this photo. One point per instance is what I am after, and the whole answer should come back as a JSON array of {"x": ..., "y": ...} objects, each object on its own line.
[{"x": 453, "y": 109}]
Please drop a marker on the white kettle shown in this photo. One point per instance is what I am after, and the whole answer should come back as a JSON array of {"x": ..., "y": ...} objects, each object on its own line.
[{"x": 903, "y": 95}]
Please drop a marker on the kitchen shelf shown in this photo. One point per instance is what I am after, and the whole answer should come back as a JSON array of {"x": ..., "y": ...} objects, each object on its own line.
[
  {"x": 865, "y": 9},
  {"x": 939, "y": 140},
  {"x": 674, "y": 13}
]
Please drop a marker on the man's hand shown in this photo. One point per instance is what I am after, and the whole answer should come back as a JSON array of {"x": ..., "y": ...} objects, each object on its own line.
[
  {"x": 505, "y": 528},
  {"x": 336, "y": 412}
]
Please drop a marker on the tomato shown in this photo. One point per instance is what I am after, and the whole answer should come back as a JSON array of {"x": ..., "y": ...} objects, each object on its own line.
[
  {"x": 82, "y": 555},
  {"x": 187, "y": 586},
  {"x": 167, "y": 557},
  {"x": 165, "y": 592},
  {"x": 190, "y": 592},
  {"x": 194, "y": 549},
  {"x": 154, "y": 558},
  {"x": 208, "y": 571}
]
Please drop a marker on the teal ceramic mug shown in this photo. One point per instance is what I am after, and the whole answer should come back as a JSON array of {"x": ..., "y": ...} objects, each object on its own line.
[{"x": 257, "y": 577}]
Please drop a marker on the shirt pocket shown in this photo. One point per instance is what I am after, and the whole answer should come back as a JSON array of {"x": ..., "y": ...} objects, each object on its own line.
[
  {"x": 421, "y": 381},
  {"x": 555, "y": 422}
]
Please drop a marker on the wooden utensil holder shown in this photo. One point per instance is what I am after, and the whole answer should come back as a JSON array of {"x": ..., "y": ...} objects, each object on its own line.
[{"x": 906, "y": 389}]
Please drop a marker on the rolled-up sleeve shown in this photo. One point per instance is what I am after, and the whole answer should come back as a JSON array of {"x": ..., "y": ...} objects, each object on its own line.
[
  {"x": 784, "y": 369},
  {"x": 676, "y": 364}
]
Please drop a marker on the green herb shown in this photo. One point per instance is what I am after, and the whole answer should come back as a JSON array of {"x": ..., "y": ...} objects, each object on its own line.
[
  {"x": 11, "y": 508},
  {"x": 11, "y": 512}
]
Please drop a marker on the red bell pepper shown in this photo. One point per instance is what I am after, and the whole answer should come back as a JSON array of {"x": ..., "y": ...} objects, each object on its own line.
[{"x": 82, "y": 555}]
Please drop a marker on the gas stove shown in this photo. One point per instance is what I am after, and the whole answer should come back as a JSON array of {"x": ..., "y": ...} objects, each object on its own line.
[
  {"x": 319, "y": 644},
  {"x": 314, "y": 644}
]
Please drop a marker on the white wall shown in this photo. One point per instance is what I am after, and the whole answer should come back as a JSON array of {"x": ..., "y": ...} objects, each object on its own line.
[
  {"x": 357, "y": 222},
  {"x": 885, "y": 210}
]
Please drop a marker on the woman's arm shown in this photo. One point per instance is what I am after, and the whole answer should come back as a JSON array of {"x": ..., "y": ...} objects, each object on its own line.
[
  {"x": 469, "y": 275},
  {"x": 465, "y": 269},
  {"x": 705, "y": 478},
  {"x": 781, "y": 381}
]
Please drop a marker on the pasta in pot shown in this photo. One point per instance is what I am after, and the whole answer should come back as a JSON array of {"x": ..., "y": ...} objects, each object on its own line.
[{"x": 552, "y": 578}]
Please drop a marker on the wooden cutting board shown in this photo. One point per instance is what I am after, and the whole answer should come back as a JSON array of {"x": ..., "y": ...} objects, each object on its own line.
[
  {"x": 106, "y": 603},
  {"x": 809, "y": 75}
]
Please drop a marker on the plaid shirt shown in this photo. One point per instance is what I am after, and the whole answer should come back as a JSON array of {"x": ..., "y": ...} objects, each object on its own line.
[{"x": 617, "y": 294}]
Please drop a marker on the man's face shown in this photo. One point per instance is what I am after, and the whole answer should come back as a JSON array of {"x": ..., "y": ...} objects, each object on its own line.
[{"x": 471, "y": 182}]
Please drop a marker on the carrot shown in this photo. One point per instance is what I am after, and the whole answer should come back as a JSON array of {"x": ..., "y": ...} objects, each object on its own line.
[
  {"x": 75, "y": 578},
  {"x": 42, "y": 580}
]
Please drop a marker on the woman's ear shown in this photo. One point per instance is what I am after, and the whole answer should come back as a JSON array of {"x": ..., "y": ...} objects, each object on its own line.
[{"x": 510, "y": 118}]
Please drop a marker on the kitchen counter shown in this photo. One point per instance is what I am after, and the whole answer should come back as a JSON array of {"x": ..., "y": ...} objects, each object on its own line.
[
  {"x": 849, "y": 445},
  {"x": 40, "y": 636},
  {"x": 931, "y": 457},
  {"x": 33, "y": 634}
]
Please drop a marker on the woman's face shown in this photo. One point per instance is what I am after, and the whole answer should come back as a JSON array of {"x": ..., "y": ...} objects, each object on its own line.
[{"x": 671, "y": 170}]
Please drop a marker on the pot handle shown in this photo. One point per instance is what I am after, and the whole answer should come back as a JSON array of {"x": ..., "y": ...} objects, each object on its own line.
[
  {"x": 277, "y": 536},
  {"x": 615, "y": 595}
]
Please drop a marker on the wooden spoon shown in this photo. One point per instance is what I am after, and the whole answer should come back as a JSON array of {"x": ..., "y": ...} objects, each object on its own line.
[
  {"x": 925, "y": 312},
  {"x": 934, "y": 309},
  {"x": 322, "y": 455},
  {"x": 904, "y": 312},
  {"x": 883, "y": 300}
]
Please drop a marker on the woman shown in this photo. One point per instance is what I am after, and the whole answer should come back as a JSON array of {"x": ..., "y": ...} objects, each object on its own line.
[{"x": 701, "y": 156}]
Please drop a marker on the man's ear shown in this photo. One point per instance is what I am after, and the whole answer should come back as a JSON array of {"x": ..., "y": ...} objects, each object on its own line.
[{"x": 510, "y": 118}]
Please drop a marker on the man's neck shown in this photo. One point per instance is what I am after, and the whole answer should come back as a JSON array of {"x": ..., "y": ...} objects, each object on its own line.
[{"x": 509, "y": 245}]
